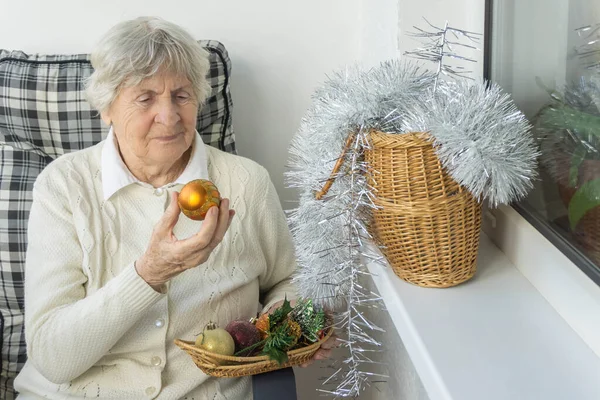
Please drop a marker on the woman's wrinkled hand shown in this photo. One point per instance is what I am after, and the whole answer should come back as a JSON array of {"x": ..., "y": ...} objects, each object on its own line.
[
  {"x": 324, "y": 351},
  {"x": 167, "y": 257}
]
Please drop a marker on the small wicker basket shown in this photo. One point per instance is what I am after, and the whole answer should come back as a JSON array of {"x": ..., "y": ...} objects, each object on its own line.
[
  {"x": 229, "y": 366},
  {"x": 428, "y": 225}
]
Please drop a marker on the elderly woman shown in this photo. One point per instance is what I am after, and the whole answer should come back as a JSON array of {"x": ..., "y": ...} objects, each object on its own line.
[{"x": 114, "y": 274}]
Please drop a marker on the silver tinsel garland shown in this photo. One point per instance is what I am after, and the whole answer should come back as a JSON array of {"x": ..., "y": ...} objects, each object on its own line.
[
  {"x": 329, "y": 233},
  {"x": 351, "y": 99},
  {"x": 479, "y": 135}
]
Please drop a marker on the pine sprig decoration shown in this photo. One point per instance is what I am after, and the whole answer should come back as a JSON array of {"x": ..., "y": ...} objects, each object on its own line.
[
  {"x": 280, "y": 314},
  {"x": 310, "y": 318},
  {"x": 280, "y": 340},
  {"x": 281, "y": 331}
]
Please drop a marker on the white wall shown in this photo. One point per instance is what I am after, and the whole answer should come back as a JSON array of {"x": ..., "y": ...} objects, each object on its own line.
[
  {"x": 280, "y": 50},
  {"x": 379, "y": 27}
]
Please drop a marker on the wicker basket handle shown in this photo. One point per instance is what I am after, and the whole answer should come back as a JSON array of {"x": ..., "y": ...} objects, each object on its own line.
[{"x": 336, "y": 168}]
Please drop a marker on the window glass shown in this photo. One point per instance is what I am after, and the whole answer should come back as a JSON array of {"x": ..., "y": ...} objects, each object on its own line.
[{"x": 546, "y": 54}]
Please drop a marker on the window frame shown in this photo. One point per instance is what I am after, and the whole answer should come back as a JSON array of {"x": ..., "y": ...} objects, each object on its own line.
[{"x": 526, "y": 211}]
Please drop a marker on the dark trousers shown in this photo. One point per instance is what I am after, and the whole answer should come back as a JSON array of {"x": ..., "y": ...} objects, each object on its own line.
[{"x": 275, "y": 385}]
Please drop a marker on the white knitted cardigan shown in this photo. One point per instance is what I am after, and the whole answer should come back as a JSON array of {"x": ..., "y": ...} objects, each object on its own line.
[{"x": 94, "y": 328}]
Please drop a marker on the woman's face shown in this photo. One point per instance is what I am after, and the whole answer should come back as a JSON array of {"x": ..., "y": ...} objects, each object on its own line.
[{"x": 154, "y": 121}]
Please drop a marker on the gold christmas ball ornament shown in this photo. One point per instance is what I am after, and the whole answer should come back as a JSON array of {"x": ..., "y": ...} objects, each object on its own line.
[
  {"x": 197, "y": 197},
  {"x": 216, "y": 340}
]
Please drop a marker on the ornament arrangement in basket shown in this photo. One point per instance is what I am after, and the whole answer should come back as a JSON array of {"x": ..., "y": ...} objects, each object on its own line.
[
  {"x": 399, "y": 156},
  {"x": 285, "y": 337}
]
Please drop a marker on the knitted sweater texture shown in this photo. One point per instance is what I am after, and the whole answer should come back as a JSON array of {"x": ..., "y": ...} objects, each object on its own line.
[{"x": 95, "y": 329}]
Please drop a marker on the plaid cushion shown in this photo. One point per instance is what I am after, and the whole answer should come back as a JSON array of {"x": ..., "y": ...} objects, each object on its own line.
[
  {"x": 18, "y": 170},
  {"x": 215, "y": 119},
  {"x": 44, "y": 114}
]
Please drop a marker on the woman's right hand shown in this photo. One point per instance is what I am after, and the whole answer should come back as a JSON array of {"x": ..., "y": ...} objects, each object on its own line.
[{"x": 167, "y": 257}]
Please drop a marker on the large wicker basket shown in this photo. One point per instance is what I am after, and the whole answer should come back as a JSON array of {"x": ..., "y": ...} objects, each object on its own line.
[
  {"x": 229, "y": 366},
  {"x": 427, "y": 224}
]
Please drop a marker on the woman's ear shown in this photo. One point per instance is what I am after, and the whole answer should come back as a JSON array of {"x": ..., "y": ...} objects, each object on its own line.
[{"x": 105, "y": 115}]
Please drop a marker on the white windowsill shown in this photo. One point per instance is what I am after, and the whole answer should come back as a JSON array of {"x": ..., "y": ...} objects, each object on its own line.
[
  {"x": 568, "y": 290},
  {"x": 494, "y": 337}
]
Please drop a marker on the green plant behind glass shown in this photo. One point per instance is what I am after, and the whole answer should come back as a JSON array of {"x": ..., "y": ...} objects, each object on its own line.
[{"x": 569, "y": 127}]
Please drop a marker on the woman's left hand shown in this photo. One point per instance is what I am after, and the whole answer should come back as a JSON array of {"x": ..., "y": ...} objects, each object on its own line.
[{"x": 324, "y": 351}]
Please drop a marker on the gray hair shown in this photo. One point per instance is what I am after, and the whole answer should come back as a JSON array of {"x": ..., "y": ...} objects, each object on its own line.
[{"x": 137, "y": 49}]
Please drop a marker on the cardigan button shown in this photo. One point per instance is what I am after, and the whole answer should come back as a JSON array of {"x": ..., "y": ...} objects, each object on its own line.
[
  {"x": 150, "y": 390},
  {"x": 159, "y": 323},
  {"x": 156, "y": 361},
  {"x": 159, "y": 191}
]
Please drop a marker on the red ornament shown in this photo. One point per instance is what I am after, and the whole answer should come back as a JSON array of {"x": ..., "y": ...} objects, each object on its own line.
[{"x": 244, "y": 334}]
